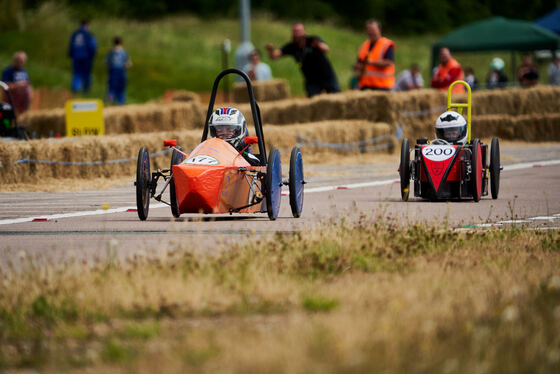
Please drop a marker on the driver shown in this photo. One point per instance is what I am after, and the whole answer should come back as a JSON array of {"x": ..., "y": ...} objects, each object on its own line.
[
  {"x": 230, "y": 125},
  {"x": 451, "y": 127}
]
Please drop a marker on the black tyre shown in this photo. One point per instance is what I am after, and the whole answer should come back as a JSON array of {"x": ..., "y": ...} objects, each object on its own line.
[
  {"x": 273, "y": 184},
  {"x": 404, "y": 170},
  {"x": 476, "y": 176},
  {"x": 495, "y": 168},
  {"x": 296, "y": 182},
  {"x": 143, "y": 177},
  {"x": 176, "y": 159}
]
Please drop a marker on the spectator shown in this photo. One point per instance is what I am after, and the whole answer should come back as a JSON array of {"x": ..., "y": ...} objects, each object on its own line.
[
  {"x": 496, "y": 77},
  {"x": 255, "y": 69},
  {"x": 409, "y": 79},
  {"x": 377, "y": 59},
  {"x": 117, "y": 63},
  {"x": 448, "y": 71},
  {"x": 554, "y": 70},
  {"x": 17, "y": 79},
  {"x": 310, "y": 53},
  {"x": 470, "y": 78},
  {"x": 82, "y": 49},
  {"x": 528, "y": 74}
]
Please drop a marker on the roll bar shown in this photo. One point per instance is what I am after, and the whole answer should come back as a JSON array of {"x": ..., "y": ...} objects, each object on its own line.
[
  {"x": 459, "y": 106},
  {"x": 255, "y": 110}
]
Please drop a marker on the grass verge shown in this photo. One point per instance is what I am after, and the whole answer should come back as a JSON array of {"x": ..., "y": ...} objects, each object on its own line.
[{"x": 360, "y": 296}]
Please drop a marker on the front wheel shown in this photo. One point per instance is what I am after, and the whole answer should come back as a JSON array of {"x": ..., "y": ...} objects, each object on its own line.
[
  {"x": 176, "y": 159},
  {"x": 476, "y": 166},
  {"x": 495, "y": 168},
  {"x": 404, "y": 170},
  {"x": 296, "y": 182},
  {"x": 273, "y": 184},
  {"x": 142, "y": 183}
]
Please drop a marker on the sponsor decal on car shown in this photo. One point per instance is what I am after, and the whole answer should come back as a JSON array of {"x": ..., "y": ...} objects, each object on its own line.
[
  {"x": 201, "y": 160},
  {"x": 437, "y": 168}
]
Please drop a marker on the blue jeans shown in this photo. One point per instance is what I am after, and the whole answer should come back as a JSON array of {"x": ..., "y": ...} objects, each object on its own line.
[
  {"x": 117, "y": 86},
  {"x": 81, "y": 75}
]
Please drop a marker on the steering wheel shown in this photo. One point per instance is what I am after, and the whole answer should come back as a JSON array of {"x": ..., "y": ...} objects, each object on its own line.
[{"x": 440, "y": 142}]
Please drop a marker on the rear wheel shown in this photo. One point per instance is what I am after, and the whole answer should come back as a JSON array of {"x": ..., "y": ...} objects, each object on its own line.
[
  {"x": 296, "y": 182},
  {"x": 404, "y": 170},
  {"x": 273, "y": 184},
  {"x": 476, "y": 166},
  {"x": 143, "y": 177},
  {"x": 495, "y": 168},
  {"x": 176, "y": 159}
]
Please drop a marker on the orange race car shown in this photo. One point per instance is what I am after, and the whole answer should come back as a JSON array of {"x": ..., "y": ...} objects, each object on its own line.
[{"x": 222, "y": 175}]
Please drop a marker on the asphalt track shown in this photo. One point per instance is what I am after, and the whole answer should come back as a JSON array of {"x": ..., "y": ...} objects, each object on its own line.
[{"x": 87, "y": 224}]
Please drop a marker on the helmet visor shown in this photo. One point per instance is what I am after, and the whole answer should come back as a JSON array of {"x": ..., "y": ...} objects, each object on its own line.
[
  {"x": 451, "y": 134},
  {"x": 225, "y": 132}
]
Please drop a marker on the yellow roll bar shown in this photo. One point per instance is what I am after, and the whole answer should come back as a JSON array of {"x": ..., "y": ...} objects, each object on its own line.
[{"x": 459, "y": 106}]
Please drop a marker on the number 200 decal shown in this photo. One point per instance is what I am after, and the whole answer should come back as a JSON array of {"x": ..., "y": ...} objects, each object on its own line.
[
  {"x": 202, "y": 160},
  {"x": 438, "y": 153}
]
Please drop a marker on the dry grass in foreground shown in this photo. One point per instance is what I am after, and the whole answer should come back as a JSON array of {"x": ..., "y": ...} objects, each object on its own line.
[{"x": 367, "y": 296}]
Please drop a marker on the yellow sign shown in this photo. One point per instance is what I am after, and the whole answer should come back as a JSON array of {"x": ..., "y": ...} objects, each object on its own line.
[{"x": 84, "y": 117}]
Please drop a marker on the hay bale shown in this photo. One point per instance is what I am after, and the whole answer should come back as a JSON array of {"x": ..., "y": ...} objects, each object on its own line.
[
  {"x": 153, "y": 117},
  {"x": 125, "y": 119},
  {"x": 182, "y": 95},
  {"x": 373, "y": 106},
  {"x": 269, "y": 90},
  {"x": 126, "y": 146},
  {"x": 85, "y": 149},
  {"x": 331, "y": 132},
  {"x": 44, "y": 123},
  {"x": 528, "y": 127},
  {"x": 517, "y": 101}
]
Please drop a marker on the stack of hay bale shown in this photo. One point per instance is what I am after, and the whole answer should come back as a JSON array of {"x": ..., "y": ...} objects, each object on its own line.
[
  {"x": 351, "y": 117},
  {"x": 128, "y": 119},
  {"x": 269, "y": 90},
  {"x": 104, "y": 150}
]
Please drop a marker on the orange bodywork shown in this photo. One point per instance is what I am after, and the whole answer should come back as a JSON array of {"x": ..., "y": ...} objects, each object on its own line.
[{"x": 209, "y": 180}]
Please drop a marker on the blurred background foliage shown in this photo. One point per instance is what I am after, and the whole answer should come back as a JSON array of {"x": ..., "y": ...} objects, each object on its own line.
[
  {"x": 398, "y": 16},
  {"x": 176, "y": 44}
]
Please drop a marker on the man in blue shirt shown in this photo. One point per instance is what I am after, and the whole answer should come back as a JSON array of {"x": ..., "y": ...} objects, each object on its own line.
[
  {"x": 117, "y": 63},
  {"x": 82, "y": 49},
  {"x": 18, "y": 82}
]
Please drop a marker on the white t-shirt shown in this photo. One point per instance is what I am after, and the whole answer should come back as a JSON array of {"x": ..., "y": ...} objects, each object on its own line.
[
  {"x": 405, "y": 79},
  {"x": 554, "y": 74},
  {"x": 262, "y": 71}
]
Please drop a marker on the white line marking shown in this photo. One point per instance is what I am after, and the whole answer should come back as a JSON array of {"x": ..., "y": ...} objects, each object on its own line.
[
  {"x": 528, "y": 165},
  {"x": 350, "y": 186},
  {"x": 543, "y": 218},
  {"x": 525, "y": 165},
  {"x": 488, "y": 224},
  {"x": 514, "y": 221},
  {"x": 76, "y": 214},
  {"x": 471, "y": 229}
]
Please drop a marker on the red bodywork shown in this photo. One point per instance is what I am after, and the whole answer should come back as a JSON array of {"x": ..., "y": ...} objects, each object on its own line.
[
  {"x": 442, "y": 163},
  {"x": 437, "y": 165},
  {"x": 209, "y": 180}
]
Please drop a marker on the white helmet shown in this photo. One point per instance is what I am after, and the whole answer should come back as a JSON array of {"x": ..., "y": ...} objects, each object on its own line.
[
  {"x": 228, "y": 124},
  {"x": 497, "y": 64},
  {"x": 452, "y": 127}
]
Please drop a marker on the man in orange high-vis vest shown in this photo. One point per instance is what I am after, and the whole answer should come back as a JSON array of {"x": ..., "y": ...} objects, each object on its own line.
[
  {"x": 377, "y": 60},
  {"x": 448, "y": 71}
]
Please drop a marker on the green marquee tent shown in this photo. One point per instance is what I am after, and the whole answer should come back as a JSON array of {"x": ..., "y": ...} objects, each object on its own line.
[{"x": 497, "y": 34}]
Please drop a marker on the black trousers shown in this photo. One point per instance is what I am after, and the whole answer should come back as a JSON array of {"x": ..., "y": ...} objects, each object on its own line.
[{"x": 315, "y": 88}]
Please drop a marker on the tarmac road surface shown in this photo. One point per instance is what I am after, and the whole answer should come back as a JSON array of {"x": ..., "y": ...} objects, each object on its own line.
[{"x": 56, "y": 225}]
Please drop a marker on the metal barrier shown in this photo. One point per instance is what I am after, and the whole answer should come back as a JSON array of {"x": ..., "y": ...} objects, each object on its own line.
[{"x": 85, "y": 163}]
